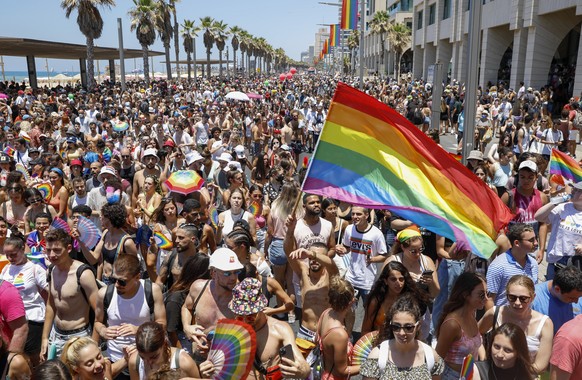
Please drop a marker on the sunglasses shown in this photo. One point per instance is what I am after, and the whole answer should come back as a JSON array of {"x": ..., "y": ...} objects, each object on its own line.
[
  {"x": 34, "y": 201},
  {"x": 231, "y": 272},
  {"x": 522, "y": 299},
  {"x": 15, "y": 189},
  {"x": 246, "y": 318},
  {"x": 420, "y": 250},
  {"x": 124, "y": 156},
  {"x": 408, "y": 328},
  {"x": 118, "y": 281}
]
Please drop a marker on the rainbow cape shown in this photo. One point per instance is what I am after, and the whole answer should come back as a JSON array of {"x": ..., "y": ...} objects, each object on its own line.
[
  {"x": 349, "y": 18},
  {"x": 566, "y": 166},
  {"x": 370, "y": 155}
]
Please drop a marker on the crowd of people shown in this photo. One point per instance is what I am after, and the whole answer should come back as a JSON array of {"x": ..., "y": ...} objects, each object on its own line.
[{"x": 142, "y": 300}]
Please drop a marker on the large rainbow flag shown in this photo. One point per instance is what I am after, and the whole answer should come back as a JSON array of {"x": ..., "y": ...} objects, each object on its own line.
[
  {"x": 370, "y": 155},
  {"x": 566, "y": 166},
  {"x": 349, "y": 18},
  {"x": 334, "y": 35}
]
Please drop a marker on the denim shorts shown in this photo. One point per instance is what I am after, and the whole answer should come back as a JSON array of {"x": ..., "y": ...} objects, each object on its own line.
[{"x": 277, "y": 253}]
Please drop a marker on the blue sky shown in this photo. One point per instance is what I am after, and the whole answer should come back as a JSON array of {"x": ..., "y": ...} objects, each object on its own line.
[{"x": 290, "y": 25}]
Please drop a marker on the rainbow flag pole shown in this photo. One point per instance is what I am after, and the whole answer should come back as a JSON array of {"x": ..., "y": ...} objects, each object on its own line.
[{"x": 369, "y": 155}]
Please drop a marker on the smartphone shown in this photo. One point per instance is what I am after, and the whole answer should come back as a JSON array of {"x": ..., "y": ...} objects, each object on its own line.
[
  {"x": 287, "y": 352},
  {"x": 427, "y": 273}
]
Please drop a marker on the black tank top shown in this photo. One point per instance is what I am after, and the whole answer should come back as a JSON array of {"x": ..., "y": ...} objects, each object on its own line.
[{"x": 128, "y": 173}]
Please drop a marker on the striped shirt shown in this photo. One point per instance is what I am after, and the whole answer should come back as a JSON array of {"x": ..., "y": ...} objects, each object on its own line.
[{"x": 502, "y": 269}]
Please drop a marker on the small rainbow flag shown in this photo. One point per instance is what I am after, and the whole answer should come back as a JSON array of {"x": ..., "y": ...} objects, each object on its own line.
[
  {"x": 349, "y": 18},
  {"x": 467, "y": 368},
  {"x": 566, "y": 166},
  {"x": 255, "y": 208},
  {"x": 458, "y": 157},
  {"x": 334, "y": 35},
  {"x": 9, "y": 151},
  {"x": 370, "y": 155},
  {"x": 162, "y": 241}
]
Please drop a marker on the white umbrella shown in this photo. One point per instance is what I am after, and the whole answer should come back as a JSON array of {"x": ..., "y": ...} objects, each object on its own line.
[{"x": 237, "y": 95}]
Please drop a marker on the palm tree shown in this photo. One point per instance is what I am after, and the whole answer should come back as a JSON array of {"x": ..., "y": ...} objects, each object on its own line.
[
  {"x": 245, "y": 39},
  {"x": 189, "y": 34},
  {"x": 380, "y": 25},
  {"x": 220, "y": 37},
  {"x": 235, "y": 32},
  {"x": 353, "y": 43},
  {"x": 143, "y": 17},
  {"x": 207, "y": 23},
  {"x": 163, "y": 24},
  {"x": 399, "y": 37},
  {"x": 90, "y": 24},
  {"x": 176, "y": 35}
]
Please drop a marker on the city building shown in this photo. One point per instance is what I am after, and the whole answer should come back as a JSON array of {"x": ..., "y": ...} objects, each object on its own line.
[{"x": 537, "y": 42}]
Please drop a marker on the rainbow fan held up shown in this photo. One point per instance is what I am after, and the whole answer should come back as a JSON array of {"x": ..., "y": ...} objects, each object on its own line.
[{"x": 162, "y": 241}]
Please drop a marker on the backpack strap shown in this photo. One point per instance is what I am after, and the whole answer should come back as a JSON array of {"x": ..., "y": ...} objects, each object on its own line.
[
  {"x": 120, "y": 247},
  {"x": 149, "y": 295},
  {"x": 495, "y": 315},
  {"x": 107, "y": 301},
  {"x": 198, "y": 298},
  {"x": 383, "y": 355},
  {"x": 82, "y": 268},
  {"x": 428, "y": 356}
]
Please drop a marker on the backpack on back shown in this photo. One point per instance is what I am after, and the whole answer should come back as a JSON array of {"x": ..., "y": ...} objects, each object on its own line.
[{"x": 149, "y": 296}]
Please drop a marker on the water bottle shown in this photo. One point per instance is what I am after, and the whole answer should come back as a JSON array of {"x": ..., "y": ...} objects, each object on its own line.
[{"x": 560, "y": 198}]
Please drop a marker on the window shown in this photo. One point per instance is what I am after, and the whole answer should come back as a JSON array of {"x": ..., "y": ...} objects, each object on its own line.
[
  {"x": 446, "y": 9},
  {"x": 431, "y": 14},
  {"x": 419, "y": 16},
  {"x": 405, "y": 5}
]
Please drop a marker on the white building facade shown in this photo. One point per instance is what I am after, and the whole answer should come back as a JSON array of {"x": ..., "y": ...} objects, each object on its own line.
[{"x": 534, "y": 41}]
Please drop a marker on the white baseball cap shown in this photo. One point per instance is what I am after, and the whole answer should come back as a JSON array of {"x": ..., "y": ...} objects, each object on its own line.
[
  {"x": 240, "y": 151},
  {"x": 225, "y": 259}
]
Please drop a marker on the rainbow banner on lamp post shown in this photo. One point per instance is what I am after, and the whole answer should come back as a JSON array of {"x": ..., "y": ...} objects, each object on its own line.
[
  {"x": 349, "y": 18},
  {"x": 370, "y": 155},
  {"x": 334, "y": 35}
]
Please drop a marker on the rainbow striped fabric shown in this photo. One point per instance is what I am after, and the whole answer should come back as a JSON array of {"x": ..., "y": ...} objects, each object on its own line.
[
  {"x": 566, "y": 166},
  {"x": 334, "y": 35},
  {"x": 370, "y": 155},
  {"x": 349, "y": 18}
]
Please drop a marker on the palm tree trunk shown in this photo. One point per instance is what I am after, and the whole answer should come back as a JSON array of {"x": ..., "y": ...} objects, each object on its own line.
[
  {"x": 398, "y": 68},
  {"x": 168, "y": 63},
  {"x": 220, "y": 65},
  {"x": 177, "y": 44},
  {"x": 194, "y": 55},
  {"x": 146, "y": 64},
  {"x": 90, "y": 64},
  {"x": 208, "y": 76},
  {"x": 189, "y": 59},
  {"x": 234, "y": 63}
]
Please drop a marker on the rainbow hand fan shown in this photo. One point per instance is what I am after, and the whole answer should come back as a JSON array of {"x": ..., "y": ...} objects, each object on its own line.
[
  {"x": 162, "y": 241},
  {"x": 88, "y": 232},
  {"x": 20, "y": 168},
  {"x": 213, "y": 216},
  {"x": 59, "y": 223},
  {"x": 9, "y": 151},
  {"x": 232, "y": 350},
  {"x": 363, "y": 347},
  {"x": 46, "y": 190},
  {"x": 255, "y": 208},
  {"x": 467, "y": 368}
]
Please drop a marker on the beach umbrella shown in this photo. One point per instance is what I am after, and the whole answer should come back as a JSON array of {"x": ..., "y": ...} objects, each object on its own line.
[
  {"x": 121, "y": 127},
  {"x": 184, "y": 182},
  {"x": 253, "y": 95},
  {"x": 237, "y": 95}
]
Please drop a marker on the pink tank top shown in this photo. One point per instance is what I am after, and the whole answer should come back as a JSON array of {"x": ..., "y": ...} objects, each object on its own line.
[{"x": 463, "y": 347}]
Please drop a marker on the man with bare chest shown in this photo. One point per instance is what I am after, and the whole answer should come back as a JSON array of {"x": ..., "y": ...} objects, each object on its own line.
[
  {"x": 71, "y": 295},
  {"x": 207, "y": 301},
  {"x": 314, "y": 269},
  {"x": 277, "y": 355},
  {"x": 150, "y": 159},
  {"x": 186, "y": 246}
]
